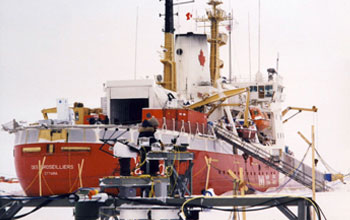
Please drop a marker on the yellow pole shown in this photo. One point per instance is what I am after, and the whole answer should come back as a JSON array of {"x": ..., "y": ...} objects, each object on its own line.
[
  {"x": 235, "y": 179},
  {"x": 304, "y": 138},
  {"x": 208, "y": 162},
  {"x": 39, "y": 170},
  {"x": 246, "y": 111},
  {"x": 80, "y": 168},
  {"x": 41, "y": 167},
  {"x": 313, "y": 170},
  {"x": 242, "y": 191}
]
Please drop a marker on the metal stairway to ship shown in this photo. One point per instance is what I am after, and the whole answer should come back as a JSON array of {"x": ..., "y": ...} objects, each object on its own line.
[{"x": 288, "y": 166}]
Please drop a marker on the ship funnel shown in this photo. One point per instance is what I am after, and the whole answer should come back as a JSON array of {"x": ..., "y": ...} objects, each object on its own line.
[{"x": 192, "y": 62}]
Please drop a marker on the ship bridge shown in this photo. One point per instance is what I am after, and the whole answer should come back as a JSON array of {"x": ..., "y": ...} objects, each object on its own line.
[{"x": 263, "y": 90}]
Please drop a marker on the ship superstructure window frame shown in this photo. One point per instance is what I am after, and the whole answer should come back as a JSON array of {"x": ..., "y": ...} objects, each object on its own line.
[
  {"x": 253, "y": 88},
  {"x": 268, "y": 90},
  {"x": 261, "y": 91}
]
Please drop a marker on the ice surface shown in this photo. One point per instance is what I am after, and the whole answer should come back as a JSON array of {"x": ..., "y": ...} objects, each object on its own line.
[{"x": 11, "y": 189}]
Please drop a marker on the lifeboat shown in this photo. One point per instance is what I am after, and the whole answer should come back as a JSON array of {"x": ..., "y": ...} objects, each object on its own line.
[
  {"x": 261, "y": 119},
  {"x": 247, "y": 133}
]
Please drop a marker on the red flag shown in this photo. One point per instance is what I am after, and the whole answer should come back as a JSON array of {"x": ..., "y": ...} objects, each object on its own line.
[{"x": 188, "y": 16}]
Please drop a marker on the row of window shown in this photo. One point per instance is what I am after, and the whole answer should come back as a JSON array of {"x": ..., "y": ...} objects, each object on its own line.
[{"x": 264, "y": 91}]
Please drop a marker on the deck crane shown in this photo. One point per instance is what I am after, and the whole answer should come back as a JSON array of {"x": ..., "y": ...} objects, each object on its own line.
[
  {"x": 284, "y": 112},
  {"x": 222, "y": 97}
]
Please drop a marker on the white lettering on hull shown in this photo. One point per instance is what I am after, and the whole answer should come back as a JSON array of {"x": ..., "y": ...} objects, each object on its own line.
[
  {"x": 54, "y": 167},
  {"x": 261, "y": 180},
  {"x": 47, "y": 173}
]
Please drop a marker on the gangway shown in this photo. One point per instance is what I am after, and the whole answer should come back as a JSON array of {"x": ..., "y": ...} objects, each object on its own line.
[{"x": 285, "y": 164}]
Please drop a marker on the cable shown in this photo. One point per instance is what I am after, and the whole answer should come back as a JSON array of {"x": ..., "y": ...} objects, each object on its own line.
[
  {"x": 142, "y": 162},
  {"x": 250, "y": 209},
  {"x": 326, "y": 165},
  {"x": 47, "y": 200}
]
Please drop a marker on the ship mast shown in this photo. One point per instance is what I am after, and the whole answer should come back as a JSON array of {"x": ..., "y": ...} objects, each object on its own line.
[
  {"x": 168, "y": 59},
  {"x": 215, "y": 16}
]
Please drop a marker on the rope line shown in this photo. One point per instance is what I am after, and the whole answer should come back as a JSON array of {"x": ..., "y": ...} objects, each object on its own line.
[{"x": 36, "y": 176}]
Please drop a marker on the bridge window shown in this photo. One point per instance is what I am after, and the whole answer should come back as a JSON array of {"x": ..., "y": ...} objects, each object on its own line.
[
  {"x": 253, "y": 89},
  {"x": 261, "y": 92},
  {"x": 268, "y": 90}
]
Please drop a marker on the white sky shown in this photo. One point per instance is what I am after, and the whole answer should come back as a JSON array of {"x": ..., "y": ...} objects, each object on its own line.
[{"x": 64, "y": 48}]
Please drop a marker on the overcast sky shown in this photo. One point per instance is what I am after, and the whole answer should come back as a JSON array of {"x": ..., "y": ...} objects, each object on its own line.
[{"x": 64, "y": 48}]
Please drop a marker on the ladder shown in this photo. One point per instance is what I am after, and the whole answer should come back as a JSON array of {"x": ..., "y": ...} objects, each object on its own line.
[{"x": 283, "y": 163}]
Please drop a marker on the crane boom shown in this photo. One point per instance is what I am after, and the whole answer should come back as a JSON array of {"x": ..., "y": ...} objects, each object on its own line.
[
  {"x": 222, "y": 97},
  {"x": 285, "y": 111},
  {"x": 313, "y": 109}
]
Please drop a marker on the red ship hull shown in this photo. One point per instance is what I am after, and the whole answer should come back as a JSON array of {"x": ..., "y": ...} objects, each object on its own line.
[{"x": 60, "y": 173}]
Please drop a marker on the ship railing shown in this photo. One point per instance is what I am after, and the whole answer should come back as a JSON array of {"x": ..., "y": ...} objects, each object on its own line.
[
  {"x": 185, "y": 127},
  {"x": 300, "y": 169}
]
